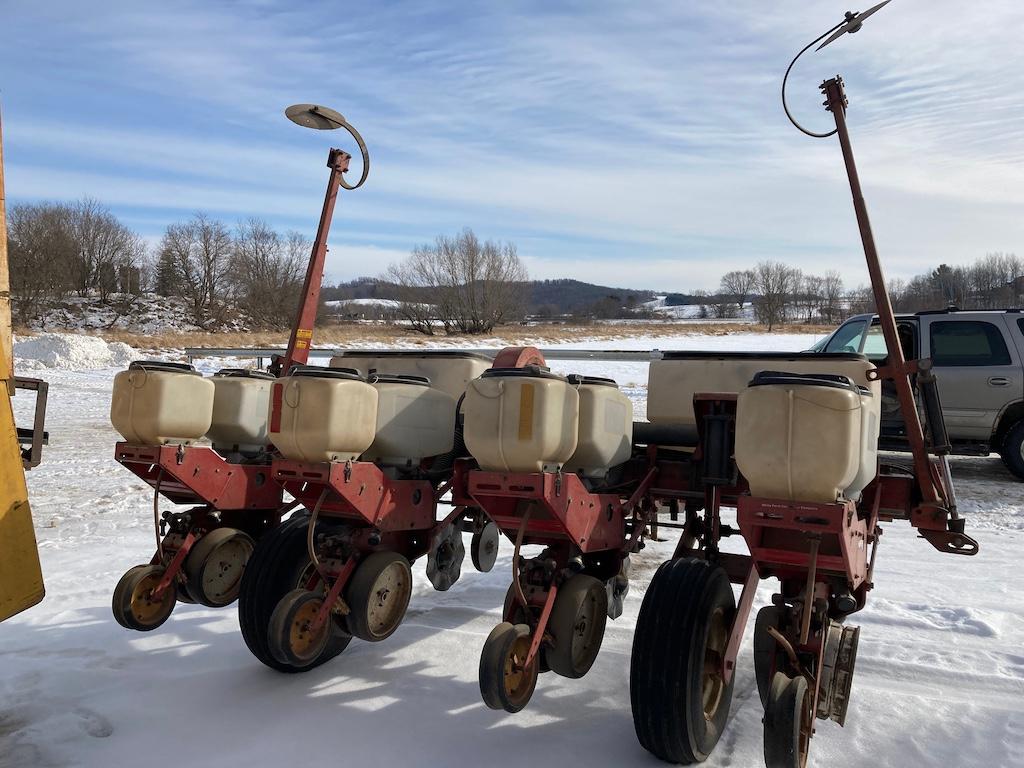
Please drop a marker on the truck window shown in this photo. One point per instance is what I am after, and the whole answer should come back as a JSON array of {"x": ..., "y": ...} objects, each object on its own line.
[
  {"x": 847, "y": 337},
  {"x": 874, "y": 342},
  {"x": 967, "y": 343}
]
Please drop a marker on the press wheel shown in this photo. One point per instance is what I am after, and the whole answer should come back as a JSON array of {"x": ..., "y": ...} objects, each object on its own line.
[
  {"x": 134, "y": 605},
  {"x": 577, "y": 624},
  {"x": 483, "y": 547},
  {"x": 788, "y": 722},
  {"x": 505, "y": 680},
  {"x": 215, "y": 565},
  {"x": 291, "y": 638},
  {"x": 378, "y": 595}
]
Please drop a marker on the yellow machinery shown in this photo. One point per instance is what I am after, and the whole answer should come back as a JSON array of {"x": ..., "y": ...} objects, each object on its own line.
[{"x": 21, "y": 579}]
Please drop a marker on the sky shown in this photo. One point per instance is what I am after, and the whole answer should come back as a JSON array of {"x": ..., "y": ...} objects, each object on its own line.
[{"x": 639, "y": 145}]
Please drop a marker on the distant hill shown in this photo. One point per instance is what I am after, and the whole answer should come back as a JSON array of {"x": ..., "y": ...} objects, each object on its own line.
[{"x": 551, "y": 297}]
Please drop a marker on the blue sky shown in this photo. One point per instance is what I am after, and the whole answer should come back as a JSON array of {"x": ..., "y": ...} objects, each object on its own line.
[{"x": 633, "y": 144}]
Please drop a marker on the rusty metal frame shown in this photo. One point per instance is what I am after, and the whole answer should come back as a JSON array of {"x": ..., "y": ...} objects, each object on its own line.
[
  {"x": 196, "y": 474},
  {"x": 843, "y": 533},
  {"x": 361, "y": 492},
  {"x": 563, "y": 508}
]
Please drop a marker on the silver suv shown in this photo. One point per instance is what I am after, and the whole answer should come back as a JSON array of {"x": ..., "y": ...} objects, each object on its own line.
[{"x": 978, "y": 360}]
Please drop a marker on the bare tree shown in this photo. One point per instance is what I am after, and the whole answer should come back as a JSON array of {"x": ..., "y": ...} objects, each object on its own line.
[
  {"x": 467, "y": 285},
  {"x": 776, "y": 284},
  {"x": 41, "y": 250},
  {"x": 808, "y": 296},
  {"x": 723, "y": 305},
  {"x": 104, "y": 247},
  {"x": 267, "y": 272},
  {"x": 740, "y": 283},
  {"x": 195, "y": 258},
  {"x": 830, "y": 303}
]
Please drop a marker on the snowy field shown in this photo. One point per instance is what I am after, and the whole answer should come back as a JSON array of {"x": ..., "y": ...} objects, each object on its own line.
[{"x": 939, "y": 681}]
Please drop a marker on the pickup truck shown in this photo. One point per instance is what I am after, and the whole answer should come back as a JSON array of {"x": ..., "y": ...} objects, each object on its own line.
[{"x": 978, "y": 360}]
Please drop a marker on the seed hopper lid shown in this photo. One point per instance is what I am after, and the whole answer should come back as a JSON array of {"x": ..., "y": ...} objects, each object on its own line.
[
  {"x": 529, "y": 371},
  {"x": 764, "y": 378},
  {"x": 320, "y": 371},
  {"x": 400, "y": 378},
  {"x": 244, "y": 373},
  {"x": 579, "y": 379},
  {"x": 766, "y": 356},
  {"x": 162, "y": 366}
]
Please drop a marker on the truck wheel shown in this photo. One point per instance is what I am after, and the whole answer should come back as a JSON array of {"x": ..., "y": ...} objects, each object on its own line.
[
  {"x": 679, "y": 699},
  {"x": 1012, "y": 449}
]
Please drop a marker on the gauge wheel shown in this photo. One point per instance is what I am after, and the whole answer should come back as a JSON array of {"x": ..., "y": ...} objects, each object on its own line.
[
  {"x": 378, "y": 595},
  {"x": 215, "y": 565},
  {"x": 577, "y": 624}
]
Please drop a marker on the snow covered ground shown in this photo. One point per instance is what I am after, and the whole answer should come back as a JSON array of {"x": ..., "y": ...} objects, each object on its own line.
[{"x": 939, "y": 682}]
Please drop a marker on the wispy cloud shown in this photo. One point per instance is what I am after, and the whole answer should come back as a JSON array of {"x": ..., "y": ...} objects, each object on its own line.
[{"x": 636, "y": 144}]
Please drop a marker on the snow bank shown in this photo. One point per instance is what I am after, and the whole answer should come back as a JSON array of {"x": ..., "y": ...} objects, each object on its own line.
[{"x": 71, "y": 352}]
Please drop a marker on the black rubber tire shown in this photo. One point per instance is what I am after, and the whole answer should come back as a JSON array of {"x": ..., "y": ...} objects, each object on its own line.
[
  {"x": 1010, "y": 451},
  {"x": 576, "y": 643},
  {"x": 495, "y": 652},
  {"x": 782, "y": 722},
  {"x": 768, "y": 659},
  {"x": 117, "y": 598},
  {"x": 275, "y": 568},
  {"x": 199, "y": 560},
  {"x": 286, "y": 620},
  {"x": 157, "y": 611},
  {"x": 359, "y": 593},
  {"x": 666, "y": 669},
  {"x": 483, "y": 547}
]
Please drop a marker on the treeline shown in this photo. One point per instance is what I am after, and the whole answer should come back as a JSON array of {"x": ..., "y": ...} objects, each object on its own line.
[
  {"x": 62, "y": 249},
  {"x": 777, "y": 293},
  {"x": 540, "y": 299}
]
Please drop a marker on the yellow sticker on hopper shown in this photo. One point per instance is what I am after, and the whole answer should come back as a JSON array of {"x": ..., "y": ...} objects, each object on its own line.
[{"x": 526, "y": 412}]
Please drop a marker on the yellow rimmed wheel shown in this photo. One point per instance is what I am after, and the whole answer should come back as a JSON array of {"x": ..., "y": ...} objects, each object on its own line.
[
  {"x": 293, "y": 638},
  {"x": 378, "y": 595},
  {"x": 134, "y": 604},
  {"x": 506, "y": 681},
  {"x": 712, "y": 681}
]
